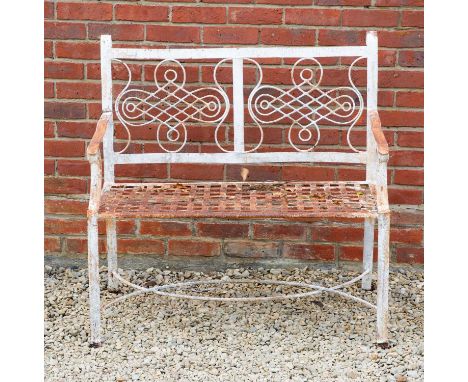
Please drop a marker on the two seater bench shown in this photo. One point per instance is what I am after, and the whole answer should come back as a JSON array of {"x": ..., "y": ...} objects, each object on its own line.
[{"x": 303, "y": 105}]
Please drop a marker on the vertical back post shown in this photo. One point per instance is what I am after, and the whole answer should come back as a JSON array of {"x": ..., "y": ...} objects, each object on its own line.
[
  {"x": 372, "y": 88},
  {"x": 238, "y": 100},
  {"x": 106, "y": 90}
]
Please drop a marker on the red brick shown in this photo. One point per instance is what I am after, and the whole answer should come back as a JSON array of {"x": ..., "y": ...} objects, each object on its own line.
[
  {"x": 119, "y": 72},
  {"x": 410, "y": 99},
  {"x": 412, "y": 19},
  {"x": 78, "y": 90},
  {"x": 49, "y": 90},
  {"x": 53, "y": 185},
  {"x": 274, "y": 2},
  {"x": 230, "y": 35},
  {"x": 401, "y": 79},
  {"x": 68, "y": 70},
  {"x": 49, "y": 129},
  {"x": 312, "y": 16},
  {"x": 137, "y": 12},
  {"x": 193, "y": 248},
  {"x": 140, "y": 246},
  {"x": 201, "y": 15},
  {"x": 341, "y": 37},
  {"x": 311, "y": 173},
  {"x": 409, "y": 177},
  {"x": 48, "y": 9},
  {"x": 221, "y": 230},
  {"x": 406, "y": 235},
  {"x": 351, "y": 253},
  {"x": 48, "y": 49},
  {"x": 241, "y": 15},
  {"x": 76, "y": 245},
  {"x": 64, "y": 110},
  {"x": 172, "y": 33},
  {"x": 251, "y": 249},
  {"x": 224, "y": 1},
  {"x": 405, "y": 196},
  {"x": 406, "y": 158},
  {"x": 400, "y": 118},
  {"x": 196, "y": 171},
  {"x": 411, "y": 255},
  {"x": 52, "y": 244},
  {"x": 287, "y": 36},
  {"x": 407, "y": 217},
  {"x": 370, "y": 18},
  {"x": 401, "y": 39},
  {"x": 353, "y": 174},
  {"x": 165, "y": 228},
  {"x": 399, "y": 3},
  {"x": 385, "y": 98},
  {"x": 411, "y": 58},
  {"x": 154, "y": 170},
  {"x": 84, "y": 11},
  {"x": 75, "y": 129},
  {"x": 80, "y": 50},
  {"x": 65, "y": 206},
  {"x": 279, "y": 231},
  {"x": 64, "y": 30},
  {"x": 49, "y": 167},
  {"x": 64, "y": 226},
  {"x": 63, "y": 148},
  {"x": 362, "y": 3},
  {"x": 337, "y": 234},
  {"x": 309, "y": 251},
  {"x": 411, "y": 139},
  {"x": 119, "y": 32},
  {"x": 73, "y": 167}
]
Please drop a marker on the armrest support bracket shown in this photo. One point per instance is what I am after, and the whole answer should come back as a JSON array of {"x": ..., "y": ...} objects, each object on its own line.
[
  {"x": 379, "y": 137},
  {"x": 93, "y": 148},
  {"x": 94, "y": 158}
]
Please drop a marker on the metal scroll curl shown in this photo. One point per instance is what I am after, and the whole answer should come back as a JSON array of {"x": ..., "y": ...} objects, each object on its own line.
[
  {"x": 171, "y": 105},
  {"x": 305, "y": 105}
]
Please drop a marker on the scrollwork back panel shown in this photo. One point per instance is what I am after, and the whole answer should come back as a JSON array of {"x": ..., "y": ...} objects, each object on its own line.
[{"x": 303, "y": 105}]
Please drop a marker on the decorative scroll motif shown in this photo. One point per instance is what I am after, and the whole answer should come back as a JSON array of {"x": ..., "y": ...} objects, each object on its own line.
[
  {"x": 171, "y": 105},
  {"x": 305, "y": 105}
]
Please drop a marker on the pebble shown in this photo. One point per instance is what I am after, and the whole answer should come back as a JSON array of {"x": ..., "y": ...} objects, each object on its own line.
[{"x": 155, "y": 339}]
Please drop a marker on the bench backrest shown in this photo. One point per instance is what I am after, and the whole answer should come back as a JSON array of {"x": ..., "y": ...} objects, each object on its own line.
[{"x": 303, "y": 104}]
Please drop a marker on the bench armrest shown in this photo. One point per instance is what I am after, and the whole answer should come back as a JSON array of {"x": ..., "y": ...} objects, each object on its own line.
[
  {"x": 379, "y": 137},
  {"x": 96, "y": 140},
  {"x": 94, "y": 158}
]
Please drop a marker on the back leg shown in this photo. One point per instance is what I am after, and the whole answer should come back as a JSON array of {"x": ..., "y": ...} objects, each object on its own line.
[{"x": 368, "y": 255}]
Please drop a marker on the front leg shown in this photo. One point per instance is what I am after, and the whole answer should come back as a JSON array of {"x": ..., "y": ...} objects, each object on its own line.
[
  {"x": 383, "y": 275},
  {"x": 94, "y": 289}
]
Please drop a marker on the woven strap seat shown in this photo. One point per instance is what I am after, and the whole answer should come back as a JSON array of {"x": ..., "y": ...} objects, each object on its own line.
[{"x": 238, "y": 200}]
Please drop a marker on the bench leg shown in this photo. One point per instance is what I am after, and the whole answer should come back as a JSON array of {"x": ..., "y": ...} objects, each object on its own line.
[
  {"x": 383, "y": 275},
  {"x": 112, "y": 283},
  {"x": 368, "y": 255},
  {"x": 93, "y": 273}
]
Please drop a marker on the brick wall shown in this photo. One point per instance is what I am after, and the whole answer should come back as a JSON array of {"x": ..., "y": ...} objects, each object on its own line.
[{"x": 72, "y": 105}]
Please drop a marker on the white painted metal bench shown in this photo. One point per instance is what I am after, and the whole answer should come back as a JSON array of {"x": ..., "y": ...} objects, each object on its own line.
[{"x": 303, "y": 105}]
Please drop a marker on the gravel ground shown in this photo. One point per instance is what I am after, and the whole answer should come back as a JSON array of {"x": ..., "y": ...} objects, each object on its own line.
[{"x": 149, "y": 338}]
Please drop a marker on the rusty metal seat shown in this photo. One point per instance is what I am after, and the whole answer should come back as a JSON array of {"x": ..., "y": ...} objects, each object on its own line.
[{"x": 239, "y": 200}]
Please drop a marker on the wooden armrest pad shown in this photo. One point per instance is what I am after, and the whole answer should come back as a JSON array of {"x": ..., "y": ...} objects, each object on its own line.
[
  {"x": 99, "y": 133},
  {"x": 376, "y": 126}
]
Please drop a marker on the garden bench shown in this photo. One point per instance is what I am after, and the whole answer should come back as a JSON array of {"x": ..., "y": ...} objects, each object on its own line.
[{"x": 303, "y": 105}]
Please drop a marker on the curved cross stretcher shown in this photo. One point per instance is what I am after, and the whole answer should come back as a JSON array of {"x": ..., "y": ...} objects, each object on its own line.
[{"x": 170, "y": 105}]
